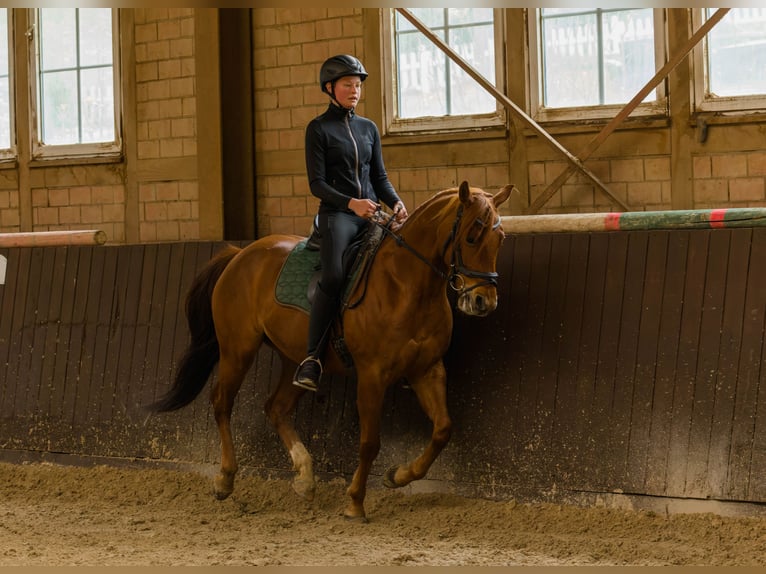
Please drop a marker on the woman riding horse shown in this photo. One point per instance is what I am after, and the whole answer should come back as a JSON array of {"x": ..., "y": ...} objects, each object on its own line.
[
  {"x": 346, "y": 172},
  {"x": 451, "y": 241}
]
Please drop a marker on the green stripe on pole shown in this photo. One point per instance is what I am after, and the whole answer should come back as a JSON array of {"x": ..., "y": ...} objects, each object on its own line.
[
  {"x": 693, "y": 219},
  {"x": 636, "y": 220}
]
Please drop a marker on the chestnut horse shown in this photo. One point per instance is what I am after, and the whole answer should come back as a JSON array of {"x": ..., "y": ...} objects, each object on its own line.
[{"x": 451, "y": 239}]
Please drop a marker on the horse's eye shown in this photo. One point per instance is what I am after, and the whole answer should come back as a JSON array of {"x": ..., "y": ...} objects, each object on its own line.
[{"x": 481, "y": 225}]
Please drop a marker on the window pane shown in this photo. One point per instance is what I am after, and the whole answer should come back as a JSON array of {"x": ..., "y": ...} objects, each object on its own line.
[
  {"x": 3, "y": 41},
  {"x": 459, "y": 16},
  {"x": 570, "y": 62},
  {"x": 76, "y": 76},
  {"x": 737, "y": 53},
  {"x": 97, "y": 98},
  {"x": 433, "y": 18},
  {"x": 559, "y": 11},
  {"x": 607, "y": 55},
  {"x": 421, "y": 77},
  {"x": 60, "y": 113},
  {"x": 628, "y": 54},
  {"x": 429, "y": 83},
  {"x": 5, "y": 114},
  {"x": 477, "y": 46},
  {"x": 95, "y": 37},
  {"x": 58, "y": 38},
  {"x": 5, "y": 100}
]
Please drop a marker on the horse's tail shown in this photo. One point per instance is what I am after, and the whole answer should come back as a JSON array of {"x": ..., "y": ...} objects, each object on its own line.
[{"x": 202, "y": 353}]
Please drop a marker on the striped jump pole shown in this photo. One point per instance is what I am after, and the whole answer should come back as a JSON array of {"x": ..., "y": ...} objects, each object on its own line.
[
  {"x": 53, "y": 238},
  {"x": 636, "y": 220}
]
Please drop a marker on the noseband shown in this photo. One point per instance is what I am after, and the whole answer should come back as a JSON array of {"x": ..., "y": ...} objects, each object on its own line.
[{"x": 457, "y": 269}]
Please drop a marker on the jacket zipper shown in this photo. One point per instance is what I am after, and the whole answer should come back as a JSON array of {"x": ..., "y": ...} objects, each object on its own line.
[{"x": 356, "y": 158}]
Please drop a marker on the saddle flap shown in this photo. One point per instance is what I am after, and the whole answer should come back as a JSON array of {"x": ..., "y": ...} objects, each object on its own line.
[{"x": 299, "y": 277}]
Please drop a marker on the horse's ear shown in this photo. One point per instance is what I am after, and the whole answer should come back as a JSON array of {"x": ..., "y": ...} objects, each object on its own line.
[
  {"x": 500, "y": 197},
  {"x": 464, "y": 192}
]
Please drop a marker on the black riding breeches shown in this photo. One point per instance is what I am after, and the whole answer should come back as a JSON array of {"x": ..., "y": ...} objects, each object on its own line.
[{"x": 337, "y": 229}]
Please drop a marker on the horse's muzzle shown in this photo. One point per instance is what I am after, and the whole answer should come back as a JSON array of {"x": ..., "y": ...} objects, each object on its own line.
[{"x": 479, "y": 302}]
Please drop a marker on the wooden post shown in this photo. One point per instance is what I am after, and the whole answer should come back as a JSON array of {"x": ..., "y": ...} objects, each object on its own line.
[{"x": 50, "y": 238}]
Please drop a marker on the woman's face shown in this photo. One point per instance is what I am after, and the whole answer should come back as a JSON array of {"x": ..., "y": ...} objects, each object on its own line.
[{"x": 348, "y": 90}]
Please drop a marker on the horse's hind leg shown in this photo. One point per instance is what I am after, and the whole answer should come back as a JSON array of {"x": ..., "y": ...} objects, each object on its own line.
[
  {"x": 232, "y": 369},
  {"x": 432, "y": 395},
  {"x": 280, "y": 408}
]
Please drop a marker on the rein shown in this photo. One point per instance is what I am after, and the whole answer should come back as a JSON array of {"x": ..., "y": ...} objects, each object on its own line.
[{"x": 457, "y": 269}]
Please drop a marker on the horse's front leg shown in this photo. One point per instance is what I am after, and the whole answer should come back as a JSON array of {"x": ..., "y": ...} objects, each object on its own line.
[
  {"x": 432, "y": 394},
  {"x": 369, "y": 404},
  {"x": 280, "y": 408}
]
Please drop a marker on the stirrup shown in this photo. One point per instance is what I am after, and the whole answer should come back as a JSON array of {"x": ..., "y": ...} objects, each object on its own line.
[{"x": 303, "y": 381}]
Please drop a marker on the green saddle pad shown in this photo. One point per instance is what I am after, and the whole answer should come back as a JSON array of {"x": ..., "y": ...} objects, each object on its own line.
[{"x": 293, "y": 281}]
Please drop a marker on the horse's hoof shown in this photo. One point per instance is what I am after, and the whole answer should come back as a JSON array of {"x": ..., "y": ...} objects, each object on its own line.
[
  {"x": 351, "y": 517},
  {"x": 223, "y": 486},
  {"x": 221, "y": 495},
  {"x": 389, "y": 478},
  {"x": 305, "y": 488}
]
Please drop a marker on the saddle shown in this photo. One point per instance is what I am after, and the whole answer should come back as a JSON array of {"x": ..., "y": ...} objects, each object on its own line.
[{"x": 299, "y": 277}]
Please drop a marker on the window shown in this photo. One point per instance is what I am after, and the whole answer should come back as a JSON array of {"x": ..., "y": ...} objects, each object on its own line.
[
  {"x": 729, "y": 66},
  {"x": 6, "y": 109},
  {"x": 74, "y": 73},
  {"x": 594, "y": 60},
  {"x": 425, "y": 89}
]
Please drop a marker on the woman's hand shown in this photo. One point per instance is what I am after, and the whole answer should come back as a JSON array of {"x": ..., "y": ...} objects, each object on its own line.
[
  {"x": 400, "y": 212},
  {"x": 363, "y": 207}
]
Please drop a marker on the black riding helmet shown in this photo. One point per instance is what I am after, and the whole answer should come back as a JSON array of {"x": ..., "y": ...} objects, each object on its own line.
[{"x": 339, "y": 66}]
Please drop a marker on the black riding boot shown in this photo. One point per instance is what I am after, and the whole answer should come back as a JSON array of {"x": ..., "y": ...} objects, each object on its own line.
[{"x": 323, "y": 311}]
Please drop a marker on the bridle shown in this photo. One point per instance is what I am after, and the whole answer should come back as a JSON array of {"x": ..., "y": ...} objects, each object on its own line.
[{"x": 457, "y": 269}]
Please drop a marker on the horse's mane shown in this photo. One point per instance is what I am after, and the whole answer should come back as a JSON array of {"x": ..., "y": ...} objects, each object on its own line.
[
  {"x": 445, "y": 194},
  {"x": 435, "y": 197}
]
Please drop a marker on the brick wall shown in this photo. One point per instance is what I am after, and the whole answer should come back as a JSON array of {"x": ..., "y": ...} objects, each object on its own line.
[
  {"x": 730, "y": 179},
  {"x": 9, "y": 202},
  {"x": 165, "y": 82},
  {"x": 643, "y": 183},
  {"x": 79, "y": 197},
  {"x": 166, "y": 120},
  {"x": 169, "y": 211},
  {"x": 290, "y": 45},
  {"x": 81, "y": 207},
  {"x": 733, "y": 180}
]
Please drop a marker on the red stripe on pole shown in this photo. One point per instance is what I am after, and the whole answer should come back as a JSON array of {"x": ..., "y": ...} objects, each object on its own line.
[
  {"x": 612, "y": 221},
  {"x": 717, "y": 218}
]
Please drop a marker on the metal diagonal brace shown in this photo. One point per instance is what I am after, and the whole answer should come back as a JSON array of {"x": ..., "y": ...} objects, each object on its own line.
[
  {"x": 506, "y": 101},
  {"x": 629, "y": 107}
]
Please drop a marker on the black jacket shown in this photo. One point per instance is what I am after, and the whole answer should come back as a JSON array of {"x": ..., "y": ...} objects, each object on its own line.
[{"x": 344, "y": 160}]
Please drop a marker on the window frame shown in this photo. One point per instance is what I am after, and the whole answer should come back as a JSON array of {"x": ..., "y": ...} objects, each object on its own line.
[
  {"x": 580, "y": 114},
  {"x": 10, "y": 153},
  {"x": 701, "y": 98},
  {"x": 393, "y": 125},
  {"x": 40, "y": 150}
]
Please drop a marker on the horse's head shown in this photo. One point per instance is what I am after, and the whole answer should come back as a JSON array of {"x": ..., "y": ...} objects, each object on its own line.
[{"x": 472, "y": 249}]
